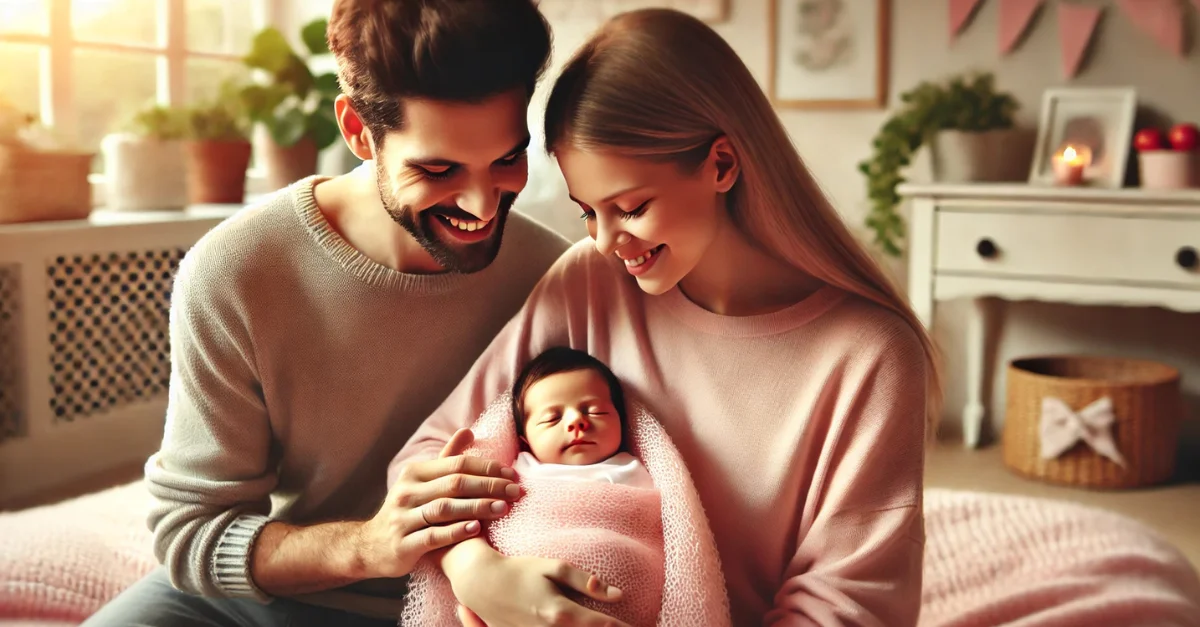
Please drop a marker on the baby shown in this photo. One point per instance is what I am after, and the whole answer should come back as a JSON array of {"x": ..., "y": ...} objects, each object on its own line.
[
  {"x": 570, "y": 416},
  {"x": 589, "y": 501}
]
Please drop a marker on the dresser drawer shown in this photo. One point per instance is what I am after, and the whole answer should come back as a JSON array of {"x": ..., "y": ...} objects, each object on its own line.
[{"x": 1070, "y": 246}]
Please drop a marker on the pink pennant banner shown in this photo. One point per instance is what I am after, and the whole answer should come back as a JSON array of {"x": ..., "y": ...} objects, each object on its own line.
[
  {"x": 961, "y": 12},
  {"x": 1015, "y": 17},
  {"x": 1161, "y": 20},
  {"x": 1076, "y": 25}
]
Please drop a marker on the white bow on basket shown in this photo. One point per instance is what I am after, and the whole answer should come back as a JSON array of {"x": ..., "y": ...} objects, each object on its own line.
[{"x": 1062, "y": 428}]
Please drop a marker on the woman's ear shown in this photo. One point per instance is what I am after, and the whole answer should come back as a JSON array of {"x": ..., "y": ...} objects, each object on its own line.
[
  {"x": 725, "y": 162},
  {"x": 356, "y": 134}
]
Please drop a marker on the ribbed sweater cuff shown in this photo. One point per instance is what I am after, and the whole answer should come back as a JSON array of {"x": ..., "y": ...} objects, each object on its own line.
[{"x": 231, "y": 562}]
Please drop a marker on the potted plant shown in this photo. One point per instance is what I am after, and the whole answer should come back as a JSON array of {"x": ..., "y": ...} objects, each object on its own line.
[
  {"x": 144, "y": 161},
  {"x": 217, "y": 151},
  {"x": 40, "y": 179},
  {"x": 292, "y": 104},
  {"x": 968, "y": 125}
]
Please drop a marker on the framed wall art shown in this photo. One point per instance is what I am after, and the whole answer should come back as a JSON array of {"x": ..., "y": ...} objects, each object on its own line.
[{"x": 829, "y": 54}]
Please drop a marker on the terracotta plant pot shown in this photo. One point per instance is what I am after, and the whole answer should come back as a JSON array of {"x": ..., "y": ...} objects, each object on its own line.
[
  {"x": 216, "y": 171},
  {"x": 43, "y": 185},
  {"x": 144, "y": 174},
  {"x": 287, "y": 165}
]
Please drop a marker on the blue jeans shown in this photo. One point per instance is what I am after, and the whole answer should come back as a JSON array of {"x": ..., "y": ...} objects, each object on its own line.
[{"x": 154, "y": 602}]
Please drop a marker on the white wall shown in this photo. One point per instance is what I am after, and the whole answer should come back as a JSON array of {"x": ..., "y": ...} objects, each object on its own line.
[{"x": 834, "y": 142}]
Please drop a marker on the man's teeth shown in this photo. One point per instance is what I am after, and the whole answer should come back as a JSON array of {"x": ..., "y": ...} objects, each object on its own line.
[
  {"x": 467, "y": 225},
  {"x": 643, "y": 258}
]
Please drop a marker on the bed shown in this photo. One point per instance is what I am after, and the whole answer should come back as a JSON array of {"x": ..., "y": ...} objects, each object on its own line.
[{"x": 990, "y": 560}]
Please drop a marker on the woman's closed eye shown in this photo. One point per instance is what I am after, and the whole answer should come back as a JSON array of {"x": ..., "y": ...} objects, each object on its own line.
[{"x": 589, "y": 214}]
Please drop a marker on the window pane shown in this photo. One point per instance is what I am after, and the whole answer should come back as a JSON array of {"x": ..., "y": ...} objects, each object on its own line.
[
  {"x": 20, "y": 76},
  {"x": 109, "y": 88},
  {"x": 204, "y": 77},
  {"x": 223, "y": 26},
  {"x": 24, "y": 16},
  {"x": 116, "y": 21}
]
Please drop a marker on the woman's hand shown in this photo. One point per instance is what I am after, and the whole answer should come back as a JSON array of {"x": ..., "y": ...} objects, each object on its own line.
[{"x": 500, "y": 591}]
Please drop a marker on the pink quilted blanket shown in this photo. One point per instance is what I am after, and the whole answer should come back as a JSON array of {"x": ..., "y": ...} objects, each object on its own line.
[
  {"x": 990, "y": 560},
  {"x": 655, "y": 545}
]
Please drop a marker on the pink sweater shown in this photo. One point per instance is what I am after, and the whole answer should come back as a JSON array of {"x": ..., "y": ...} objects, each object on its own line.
[{"x": 803, "y": 429}]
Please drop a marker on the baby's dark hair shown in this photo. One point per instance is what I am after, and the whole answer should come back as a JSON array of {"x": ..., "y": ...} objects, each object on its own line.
[{"x": 558, "y": 360}]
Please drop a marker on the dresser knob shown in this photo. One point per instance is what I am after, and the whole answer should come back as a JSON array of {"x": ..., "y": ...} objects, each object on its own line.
[
  {"x": 1187, "y": 258},
  {"x": 986, "y": 248}
]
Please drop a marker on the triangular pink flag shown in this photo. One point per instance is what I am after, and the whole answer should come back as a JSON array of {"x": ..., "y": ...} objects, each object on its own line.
[
  {"x": 1160, "y": 19},
  {"x": 1076, "y": 25},
  {"x": 1015, "y": 16},
  {"x": 961, "y": 12}
]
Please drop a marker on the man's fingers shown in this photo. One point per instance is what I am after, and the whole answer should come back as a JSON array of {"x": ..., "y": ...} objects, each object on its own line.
[
  {"x": 434, "y": 538},
  {"x": 459, "y": 443},
  {"x": 442, "y": 511},
  {"x": 583, "y": 582},
  {"x": 458, "y": 464}
]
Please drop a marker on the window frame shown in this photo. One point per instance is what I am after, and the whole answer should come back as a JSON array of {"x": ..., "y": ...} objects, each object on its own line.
[{"x": 58, "y": 45}]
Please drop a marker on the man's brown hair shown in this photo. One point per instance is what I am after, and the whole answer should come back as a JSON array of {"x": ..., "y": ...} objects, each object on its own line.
[{"x": 450, "y": 50}]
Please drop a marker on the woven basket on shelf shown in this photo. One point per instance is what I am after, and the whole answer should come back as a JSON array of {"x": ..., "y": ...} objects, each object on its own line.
[
  {"x": 36, "y": 185},
  {"x": 1146, "y": 404}
]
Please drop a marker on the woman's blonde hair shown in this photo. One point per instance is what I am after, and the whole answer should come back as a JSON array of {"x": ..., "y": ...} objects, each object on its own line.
[{"x": 661, "y": 85}]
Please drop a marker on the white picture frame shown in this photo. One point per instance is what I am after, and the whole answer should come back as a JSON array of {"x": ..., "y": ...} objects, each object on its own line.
[{"x": 1100, "y": 118}]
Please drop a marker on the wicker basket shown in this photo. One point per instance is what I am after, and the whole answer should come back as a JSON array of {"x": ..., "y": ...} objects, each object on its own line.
[
  {"x": 1146, "y": 403},
  {"x": 36, "y": 185}
]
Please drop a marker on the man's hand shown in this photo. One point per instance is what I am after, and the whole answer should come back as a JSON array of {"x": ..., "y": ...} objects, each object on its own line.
[
  {"x": 499, "y": 591},
  {"x": 432, "y": 505}
]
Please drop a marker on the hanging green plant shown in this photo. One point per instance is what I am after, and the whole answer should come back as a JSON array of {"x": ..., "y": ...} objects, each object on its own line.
[{"x": 966, "y": 103}]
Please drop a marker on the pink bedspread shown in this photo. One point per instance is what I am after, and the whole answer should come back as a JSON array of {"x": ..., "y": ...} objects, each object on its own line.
[{"x": 990, "y": 560}]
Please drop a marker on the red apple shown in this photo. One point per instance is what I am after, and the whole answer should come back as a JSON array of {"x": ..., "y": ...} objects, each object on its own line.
[
  {"x": 1149, "y": 139},
  {"x": 1184, "y": 137}
]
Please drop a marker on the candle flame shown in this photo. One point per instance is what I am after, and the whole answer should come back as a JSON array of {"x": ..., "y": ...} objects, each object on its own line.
[{"x": 1069, "y": 153}]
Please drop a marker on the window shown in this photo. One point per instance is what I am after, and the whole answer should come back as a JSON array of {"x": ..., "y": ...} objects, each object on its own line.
[{"x": 85, "y": 66}]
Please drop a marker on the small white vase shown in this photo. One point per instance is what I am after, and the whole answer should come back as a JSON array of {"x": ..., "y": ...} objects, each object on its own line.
[{"x": 144, "y": 174}]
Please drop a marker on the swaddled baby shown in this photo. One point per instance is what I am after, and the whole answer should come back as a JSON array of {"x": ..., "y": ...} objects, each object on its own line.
[
  {"x": 589, "y": 500},
  {"x": 569, "y": 410}
]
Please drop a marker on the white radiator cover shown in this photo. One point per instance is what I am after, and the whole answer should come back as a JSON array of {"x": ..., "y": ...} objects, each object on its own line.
[{"x": 84, "y": 342}]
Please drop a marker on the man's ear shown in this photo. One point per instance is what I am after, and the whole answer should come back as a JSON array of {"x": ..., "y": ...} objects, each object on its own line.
[
  {"x": 356, "y": 134},
  {"x": 725, "y": 162}
]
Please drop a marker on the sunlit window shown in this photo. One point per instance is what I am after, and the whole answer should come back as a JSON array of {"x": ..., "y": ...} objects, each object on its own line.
[{"x": 85, "y": 66}]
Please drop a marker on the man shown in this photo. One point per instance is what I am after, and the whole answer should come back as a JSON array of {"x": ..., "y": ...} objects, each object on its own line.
[{"x": 311, "y": 334}]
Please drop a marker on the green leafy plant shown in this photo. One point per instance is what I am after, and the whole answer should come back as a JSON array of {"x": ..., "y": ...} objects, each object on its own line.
[
  {"x": 966, "y": 103},
  {"x": 161, "y": 122},
  {"x": 224, "y": 118},
  {"x": 289, "y": 100}
]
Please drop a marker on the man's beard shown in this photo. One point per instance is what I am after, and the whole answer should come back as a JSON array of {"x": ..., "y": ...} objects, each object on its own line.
[{"x": 453, "y": 256}]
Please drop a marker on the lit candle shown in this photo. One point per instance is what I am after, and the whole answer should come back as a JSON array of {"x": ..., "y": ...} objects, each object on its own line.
[{"x": 1069, "y": 164}]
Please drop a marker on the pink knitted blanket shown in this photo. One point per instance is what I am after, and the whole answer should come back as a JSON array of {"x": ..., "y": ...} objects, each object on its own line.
[
  {"x": 990, "y": 560},
  {"x": 655, "y": 545}
]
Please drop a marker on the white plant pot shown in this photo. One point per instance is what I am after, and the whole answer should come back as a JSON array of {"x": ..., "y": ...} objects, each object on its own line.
[
  {"x": 144, "y": 174},
  {"x": 984, "y": 156},
  {"x": 1167, "y": 169}
]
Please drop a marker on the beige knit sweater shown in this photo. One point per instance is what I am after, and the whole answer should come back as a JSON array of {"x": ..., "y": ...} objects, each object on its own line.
[{"x": 299, "y": 368}]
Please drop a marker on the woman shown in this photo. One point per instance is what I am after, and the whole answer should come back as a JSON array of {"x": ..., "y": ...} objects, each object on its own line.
[{"x": 723, "y": 288}]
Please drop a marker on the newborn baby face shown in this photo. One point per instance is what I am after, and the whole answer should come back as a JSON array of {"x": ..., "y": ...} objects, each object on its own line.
[{"x": 570, "y": 419}]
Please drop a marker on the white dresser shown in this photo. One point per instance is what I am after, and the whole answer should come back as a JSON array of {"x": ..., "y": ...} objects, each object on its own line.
[{"x": 1124, "y": 247}]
